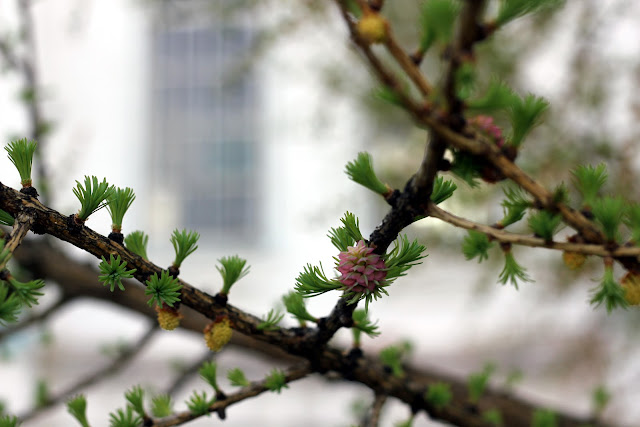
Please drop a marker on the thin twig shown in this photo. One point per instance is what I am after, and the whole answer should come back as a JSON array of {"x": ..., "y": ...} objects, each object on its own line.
[
  {"x": 385, "y": 76},
  {"x": 112, "y": 368},
  {"x": 536, "y": 242},
  {"x": 252, "y": 390},
  {"x": 29, "y": 70},
  {"x": 21, "y": 227},
  {"x": 186, "y": 373},
  {"x": 10, "y": 59},
  {"x": 372, "y": 417},
  {"x": 466, "y": 36},
  {"x": 408, "y": 65},
  {"x": 35, "y": 318}
]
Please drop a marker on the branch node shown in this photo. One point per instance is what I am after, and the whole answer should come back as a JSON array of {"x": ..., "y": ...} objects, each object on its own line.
[
  {"x": 116, "y": 237},
  {"x": 30, "y": 191}
]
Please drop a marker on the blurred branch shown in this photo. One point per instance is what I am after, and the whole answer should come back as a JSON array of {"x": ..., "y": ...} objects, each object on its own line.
[
  {"x": 21, "y": 227},
  {"x": 8, "y": 55},
  {"x": 25, "y": 64},
  {"x": 372, "y": 417},
  {"x": 120, "y": 362},
  {"x": 35, "y": 318},
  {"x": 536, "y": 242},
  {"x": 252, "y": 390},
  {"x": 186, "y": 373},
  {"x": 468, "y": 34},
  {"x": 80, "y": 280}
]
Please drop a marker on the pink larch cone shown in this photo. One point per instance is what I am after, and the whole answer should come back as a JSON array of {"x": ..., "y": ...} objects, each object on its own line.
[{"x": 361, "y": 269}]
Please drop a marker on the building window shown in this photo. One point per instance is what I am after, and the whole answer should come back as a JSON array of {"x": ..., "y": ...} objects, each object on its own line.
[{"x": 205, "y": 125}]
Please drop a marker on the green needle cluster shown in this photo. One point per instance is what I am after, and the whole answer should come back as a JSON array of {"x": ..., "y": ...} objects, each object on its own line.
[
  {"x": 91, "y": 196},
  {"x": 237, "y": 378},
  {"x": 135, "y": 397},
  {"x": 9, "y": 305},
  {"x": 232, "y": 269},
  {"x": 21, "y": 155},
  {"x": 118, "y": 202},
  {"x": 137, "y": 242},
  {"x": 437, "y": 22},
  {"x": 361, "y": 323},
  {"x": 439, "y": 394},
  {"x": 276, "y": 381},
  {"x": 512, "y": 271},
  {"x": 124, "y": 418},
  {"x": 361, "y": 171},
  {"x": 609, "y": 292},
  {"x": 478, "y": 382},
  {"x": 163, "y": 290},
  {"x": 209, "y": 372},
  {"x": 271, "y": 320},
  {"x": 6, "y": 218},
  {"x": 199, "y": 404},
  {"x": 442, "y": 190},
  {"x": 294, "y": 303},
  {"x": 513, "y": 9},
  {"x": 161, "y": 405},
  {"x": 77, "y": 407},
  {"x": 184, "y": 244},
  {"x": 114, "y": 271}
]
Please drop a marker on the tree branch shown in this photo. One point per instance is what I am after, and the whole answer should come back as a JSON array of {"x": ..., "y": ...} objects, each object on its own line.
[
  {"x": 252, "y": 390},
  {"x": 112, "y": 368},
  {"x": 536, "y": 242},
  {"x": 427, "y": 116},
  {"x": 21, "y": 227},
  {"x": 372, "y": 417},
  {"x": 366, "y": 370},
  {"x": 35, "y": 318}
]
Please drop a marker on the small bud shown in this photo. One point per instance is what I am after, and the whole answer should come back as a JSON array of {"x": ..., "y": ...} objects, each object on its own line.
[
  {"x": 168, "y": 318},
  {"x": 218, "y": 333},
  {"x": 573, "y": 260},
  {"x": 373, "y": 28},
  {"x": 631, "y": 285}
]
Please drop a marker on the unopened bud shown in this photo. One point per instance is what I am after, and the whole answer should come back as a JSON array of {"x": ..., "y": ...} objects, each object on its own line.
[
  {"x": 218, "y": 333},
  {"x": 373, "y": 28}
]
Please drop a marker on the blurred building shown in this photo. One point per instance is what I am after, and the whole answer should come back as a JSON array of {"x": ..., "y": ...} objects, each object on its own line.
[
  {"x": 236, "y": 152},
  {"x": 205, "y": 111}
]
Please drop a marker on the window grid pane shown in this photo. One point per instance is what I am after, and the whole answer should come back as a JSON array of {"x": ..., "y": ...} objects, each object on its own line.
[{"x": 204, "y": 126}]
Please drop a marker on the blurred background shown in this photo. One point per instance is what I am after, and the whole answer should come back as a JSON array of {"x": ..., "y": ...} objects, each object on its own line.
[{"x": 235, "y": 119}]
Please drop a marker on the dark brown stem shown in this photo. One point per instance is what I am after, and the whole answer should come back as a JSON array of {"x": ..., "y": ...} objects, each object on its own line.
[{"x": 21, "y": 227}]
